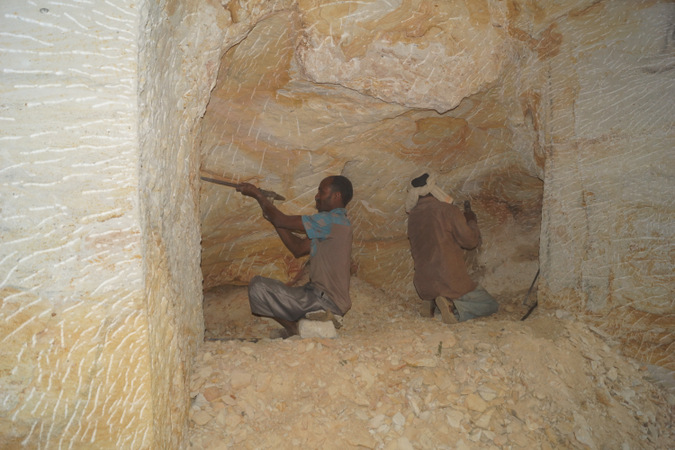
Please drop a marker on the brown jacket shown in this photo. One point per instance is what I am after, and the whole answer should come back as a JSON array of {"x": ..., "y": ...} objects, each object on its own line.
[{"x": 438, "y": 232}]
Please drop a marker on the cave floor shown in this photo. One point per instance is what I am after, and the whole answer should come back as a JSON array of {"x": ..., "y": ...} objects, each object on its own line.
[{"x": 395, "y": 380}]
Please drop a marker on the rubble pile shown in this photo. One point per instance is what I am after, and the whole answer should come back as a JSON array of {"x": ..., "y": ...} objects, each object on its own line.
[{"x": 395, "y": 380}]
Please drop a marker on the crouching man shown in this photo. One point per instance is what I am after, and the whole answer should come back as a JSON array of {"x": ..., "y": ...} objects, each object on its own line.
[
  {"x": 327, "y": 238},
  {"x": 439, "y": 232}
]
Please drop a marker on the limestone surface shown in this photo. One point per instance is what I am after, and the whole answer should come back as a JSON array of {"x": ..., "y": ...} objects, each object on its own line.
[{"x": 75, "y": 365}]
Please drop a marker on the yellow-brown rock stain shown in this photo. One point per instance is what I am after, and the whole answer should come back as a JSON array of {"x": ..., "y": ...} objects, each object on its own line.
[
  {"x": 530, "y": 103},
  {"x": 448, "y": 132},
  {"x": 546, "y": 45},
  {"x": 479, "y": 13},
  {"x": 549, "y": 43}
]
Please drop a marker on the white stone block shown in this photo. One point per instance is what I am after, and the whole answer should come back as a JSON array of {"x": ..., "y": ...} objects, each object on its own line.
[{"x": 313, "y": 328}]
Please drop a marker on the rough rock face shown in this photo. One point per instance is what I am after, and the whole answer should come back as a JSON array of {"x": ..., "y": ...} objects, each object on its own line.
[
  {"x": 74, "y": 361},
  {"x": 420, "y": 54},
  {"x": 607, "y": 230},
  {"x": 172, "y": 95}
]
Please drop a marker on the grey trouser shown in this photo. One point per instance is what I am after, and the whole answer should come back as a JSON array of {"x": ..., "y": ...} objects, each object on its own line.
[
  {"x": 272, "y": 298},
  {"x": 477, "y": 303}
]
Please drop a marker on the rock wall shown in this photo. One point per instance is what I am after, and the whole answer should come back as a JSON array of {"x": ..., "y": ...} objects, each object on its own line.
[
  {"x": 75, "y": 365},
  {"x": 101, "y": 285},
  {"x": 179, "y": 49},
  {"x": 607, "y": 232}
]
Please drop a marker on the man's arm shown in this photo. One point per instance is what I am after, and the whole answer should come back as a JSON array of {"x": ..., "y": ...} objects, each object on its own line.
[
  {"x": 283, "y": 224},
  {"x": 271, "y": 212},
  {"x": 465, "y": 227},
  {"x": 469, "y": 215},
  {"x": 297, "y": 245}
]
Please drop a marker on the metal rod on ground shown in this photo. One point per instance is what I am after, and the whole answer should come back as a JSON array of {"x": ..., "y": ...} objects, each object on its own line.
[
  {"x": 536, "y": 302},
  {"x": 227, "y": 339}
]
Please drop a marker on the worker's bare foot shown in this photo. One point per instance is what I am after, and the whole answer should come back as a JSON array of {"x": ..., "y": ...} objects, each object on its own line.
[
  {"x": 446, "y": 307},
  {"x": 427, "y": 308}
]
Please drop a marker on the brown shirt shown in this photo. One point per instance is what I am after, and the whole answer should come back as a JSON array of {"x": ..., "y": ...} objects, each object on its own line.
[
  {"x": 330, "y": 257},
  {"x": 438, "y": 232}
]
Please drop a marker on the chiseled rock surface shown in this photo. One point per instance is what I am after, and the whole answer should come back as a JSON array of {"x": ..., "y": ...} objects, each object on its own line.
[
  {"x": 75, "y": 367},
  {"x": 421, "y": 54},
  {"x": 609, "y": 198},
  {"x": 394, "y": 380}
]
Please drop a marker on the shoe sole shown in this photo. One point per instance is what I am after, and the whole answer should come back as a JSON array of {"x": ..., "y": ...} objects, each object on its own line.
[{"x": 444, "y": 305}]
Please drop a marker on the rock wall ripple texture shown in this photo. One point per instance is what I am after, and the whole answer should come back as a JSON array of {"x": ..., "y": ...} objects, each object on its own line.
[
  {"x": 607, "y": 231},
  {"x": 74, "y": 364},
  {"x": 179, "y": 49}
]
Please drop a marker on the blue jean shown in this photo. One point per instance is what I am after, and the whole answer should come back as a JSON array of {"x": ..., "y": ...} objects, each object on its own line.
[{"x": 477, "y": 303}]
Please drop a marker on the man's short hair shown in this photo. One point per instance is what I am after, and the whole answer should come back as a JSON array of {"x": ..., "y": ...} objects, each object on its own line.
[{"x": 342, "y": 185}]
